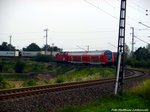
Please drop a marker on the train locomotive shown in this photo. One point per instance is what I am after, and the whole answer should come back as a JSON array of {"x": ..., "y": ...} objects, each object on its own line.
[{"x": 104, "y": 57}]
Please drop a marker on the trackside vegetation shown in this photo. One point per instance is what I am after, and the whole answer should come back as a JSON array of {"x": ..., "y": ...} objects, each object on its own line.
[
  {"x": 84, "y": 73},
  {"x": 134, "y": 99},
  {"x": 140, "y": 58},
  {"x": 17, "y": 73}
]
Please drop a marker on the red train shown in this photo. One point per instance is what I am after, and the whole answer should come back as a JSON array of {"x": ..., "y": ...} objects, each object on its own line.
[{"x": 90, "y": 57}]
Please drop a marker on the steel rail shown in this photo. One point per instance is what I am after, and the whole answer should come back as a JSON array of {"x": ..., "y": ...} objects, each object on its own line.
[
  {"x": 6, "y": 91},
  {"x": 21, "y": 92}
]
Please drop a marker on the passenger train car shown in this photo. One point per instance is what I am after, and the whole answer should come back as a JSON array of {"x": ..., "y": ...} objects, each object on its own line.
[{"x": 90, "y": 57}]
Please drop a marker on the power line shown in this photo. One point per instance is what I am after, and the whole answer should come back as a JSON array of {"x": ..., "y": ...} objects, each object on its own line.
[
  {"x": 96, "y": 31},
  {"x": 19, "y": 33},
  {"x": 141, "y": 29},
  {"x": 145, "y": 11},
  {"x": 112, "y": 45},
  {"x": 138, "y": 5},
  {"x": 105, "y": 31},
  {"x": 144, "y": 24},
  {"x": 142, "y": 36},
  {"x": 82, "y": 48},
  {"x": 109, "y": 4},
  {"x": 107, "y": 12},
  {"x": 141, "y": 40},
  {"x": 101, "y": 9}
]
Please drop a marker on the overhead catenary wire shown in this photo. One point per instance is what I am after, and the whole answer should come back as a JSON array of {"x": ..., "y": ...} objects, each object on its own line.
[
  {"x": 117, "y": 18},
  {"x": 143, "y": 11},
  {"x": 96, "y": 31},
  {"x": 141, "y": 40},
  {"x": 7, "y": 33},
  {"x": 78, "y": 32},
  {"x": 138, "y": 5},
  {"x": 84, "y": 32},
  {"x": 101, "y": 9},
  {"x": 109, "y": 13},
  {"x": 109, "y": 4},
  {"x": 112, "y": 45},
  {"x": 144, "y": 24}
]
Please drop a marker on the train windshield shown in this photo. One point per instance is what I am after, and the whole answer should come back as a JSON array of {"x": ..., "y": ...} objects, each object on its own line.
[{"x": 108, "y": 55}]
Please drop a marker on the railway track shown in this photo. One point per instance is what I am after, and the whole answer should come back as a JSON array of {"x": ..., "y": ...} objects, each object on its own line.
[{"x": 22, "y": 92}]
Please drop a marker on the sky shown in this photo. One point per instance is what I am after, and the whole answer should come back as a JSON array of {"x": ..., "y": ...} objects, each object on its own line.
[{"x": 72, "y": 24}]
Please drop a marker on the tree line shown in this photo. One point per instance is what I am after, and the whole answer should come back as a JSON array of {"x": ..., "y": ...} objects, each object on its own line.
[
  {"x": 32, "y": 47},
  {"x": 140, "y": 58},
  {"x": 6, "y": 47}
]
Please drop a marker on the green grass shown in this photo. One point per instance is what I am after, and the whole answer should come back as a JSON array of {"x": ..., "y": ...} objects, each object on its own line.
[
  {"x": 14, "y": 76},
  {"x": 143, "y": 90},
  {"x": 4, "y": 84},
  {"x": 60, "y": 73},
  {"x": 30, "y": 82},
  {"x": 30, "y": 66},
  {"x": 84, "y": 73},
  {"x": 135, "y": 98},
  {"x": 109, "y": 103}
]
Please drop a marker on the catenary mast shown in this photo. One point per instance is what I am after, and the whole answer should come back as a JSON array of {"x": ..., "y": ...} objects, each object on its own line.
[{"x": 120, "y": 49}]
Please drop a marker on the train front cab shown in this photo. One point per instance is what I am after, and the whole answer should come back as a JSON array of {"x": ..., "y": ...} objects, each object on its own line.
[{"x": 109, "y": 57}]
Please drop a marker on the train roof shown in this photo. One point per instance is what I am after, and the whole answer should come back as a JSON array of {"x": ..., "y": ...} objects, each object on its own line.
[{"x": 97, "y": 52}]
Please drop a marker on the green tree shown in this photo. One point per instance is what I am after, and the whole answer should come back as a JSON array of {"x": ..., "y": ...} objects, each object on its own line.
[
  {"x": 142, "y": 53},
  {"x": 148, "y": 47},
  {"x": 1, "y": 66},
  {"x": 127, "y": 50},
  {"x": 51, "y": 48},
  {"x": 6, "y": 47},
  {"x": 48, "y": 48},
  {"x": 32, "y": 47},
  {"x": 19, "y": 67},
  {"x": 30, "y": 82},
  {"x": 141, "y": 57}
]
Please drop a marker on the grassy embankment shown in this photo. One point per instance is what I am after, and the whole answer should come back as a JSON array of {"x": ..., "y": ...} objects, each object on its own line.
[
  {"x": 135, "y": 98},
  {"x": 71, "y": 73},
  {"x": 38, "y": 73},
  {"x": 10, "y": 79}
]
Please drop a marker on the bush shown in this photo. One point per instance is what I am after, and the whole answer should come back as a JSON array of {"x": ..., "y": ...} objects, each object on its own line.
[
  {"x": 143, "y": 90},
  {"x": 1, "y": 67},
  {"x": 59, "y": 80},
  {"x": 30, "y": 83},
  {"x": 19, "y": 66},
  {"x": 4, "y": 84},
  {"x": 138, "y": 63},
  {"x": 43, "y": 58}
]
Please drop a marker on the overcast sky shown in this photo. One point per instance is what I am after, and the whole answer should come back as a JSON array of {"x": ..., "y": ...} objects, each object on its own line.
[{"x": 72, "y": 24}]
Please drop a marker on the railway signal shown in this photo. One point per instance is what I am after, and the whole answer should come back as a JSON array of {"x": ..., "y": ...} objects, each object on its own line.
[{"x": 120, "y": 49}]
